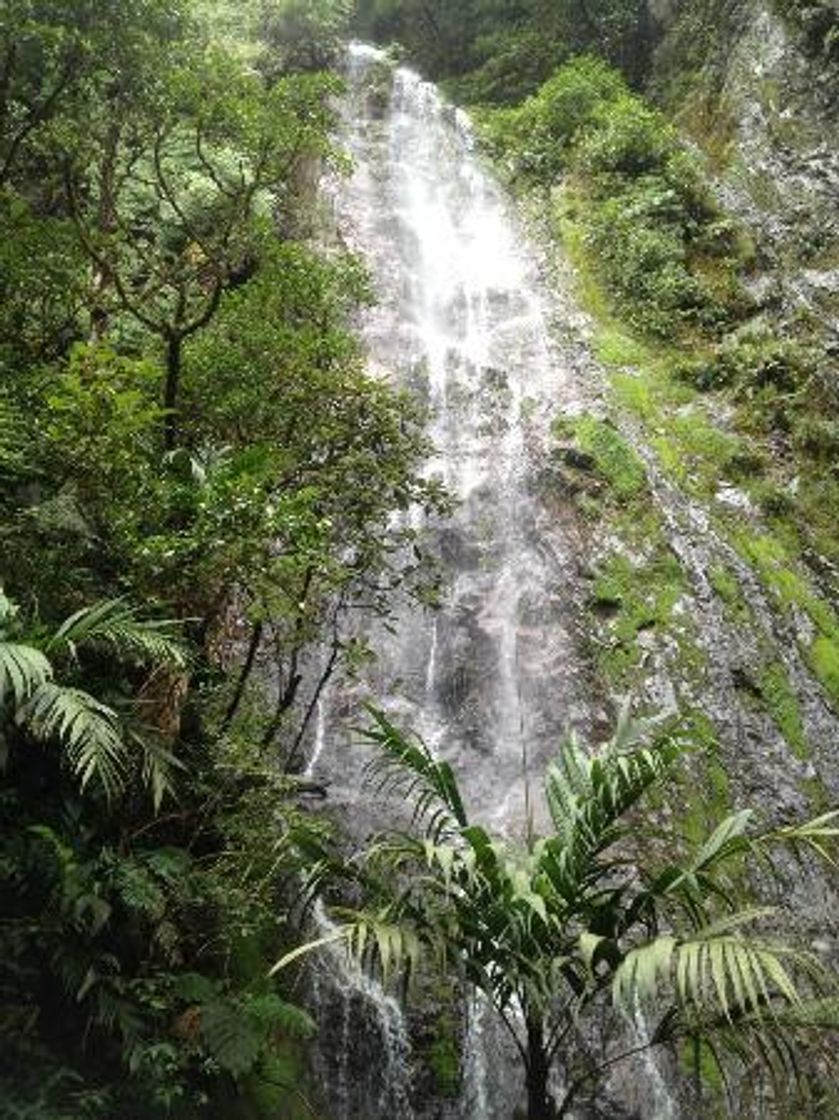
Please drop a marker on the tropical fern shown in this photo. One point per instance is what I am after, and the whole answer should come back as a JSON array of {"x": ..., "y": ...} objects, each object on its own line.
[
  {"x": 229, "y": 1036},
  {"x": 589, "y": 795},
  {"x": 90, "y": 732}
]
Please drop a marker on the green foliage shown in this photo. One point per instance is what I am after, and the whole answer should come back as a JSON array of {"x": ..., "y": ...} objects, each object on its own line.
[
  {"x": 562, "y": 926},
  {"x": 627, "y": 137},
  {"x": 445, "y": 1058},
  {"x": 647, "y": 218},
  {"x": 302, "y": 34},
  {"x": 185, "y": 424},
  {"x": 495, "y": 51},
  {"x": 88, "y": 730},
  {"x": 635, "y": 597},
  {"x": 541, "y": 132}
]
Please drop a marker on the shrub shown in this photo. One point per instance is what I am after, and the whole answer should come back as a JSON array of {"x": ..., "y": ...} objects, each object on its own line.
[
  {"x": 644, "y": 265},
  {"x": 544, "y": 129},
  {"x": 628, "y": 138}
]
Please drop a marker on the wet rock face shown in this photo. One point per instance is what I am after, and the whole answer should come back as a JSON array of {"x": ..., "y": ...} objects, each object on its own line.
[
  {"x": 776, "y": 108},
  {"x": 663, "y": 12}
]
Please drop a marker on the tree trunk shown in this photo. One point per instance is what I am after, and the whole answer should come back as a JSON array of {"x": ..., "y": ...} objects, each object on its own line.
[
  {"x": 106, "y": 225},
  {"x": 539, "y": 1103},
  {"x": 173, "y": 384}
]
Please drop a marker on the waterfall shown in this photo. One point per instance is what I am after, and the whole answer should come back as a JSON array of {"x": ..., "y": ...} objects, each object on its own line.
[
  {"x": 493, "y": 678},
  {"x": 460, "y": 321}
]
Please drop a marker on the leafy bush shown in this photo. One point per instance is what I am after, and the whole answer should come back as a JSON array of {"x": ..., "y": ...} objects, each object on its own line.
[
  {"x": 658, "y": 242},
  {"x": 627, "y": 137},
  {"x": 645, "y": 266},
  {"x": 516, "y": 63},
  {"x": 542, "y": 131}
]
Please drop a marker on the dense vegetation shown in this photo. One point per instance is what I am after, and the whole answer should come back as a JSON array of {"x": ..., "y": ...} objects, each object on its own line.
[
  {"x": 493, "y": 51},
  {"x": 194, "y": 466}
]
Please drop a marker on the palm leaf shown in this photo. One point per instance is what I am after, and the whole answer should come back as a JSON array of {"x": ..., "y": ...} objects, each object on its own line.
[
  {"x": 719, "y": 971},
  {"x": 406, "y": 767},
  {"x": 23, "y": 669},
  {"x": 87, "y": 729},
  {"x": 587, "y": 797},
  {"x": 816, "y": 833},
  {"x": 114, "y": 624}
]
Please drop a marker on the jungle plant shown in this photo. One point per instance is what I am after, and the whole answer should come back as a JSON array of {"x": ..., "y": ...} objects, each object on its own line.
[
  {"x": 586, "y": 918},
  {"x": 93, "y": 737}
]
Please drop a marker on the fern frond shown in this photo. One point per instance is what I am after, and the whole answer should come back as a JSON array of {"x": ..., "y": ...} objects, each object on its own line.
[
  {"x": 229, "y": 1036},
  {"x": 88, "y": 730},
  {"x": 587, "y": 797},
  {"x": 114, "y": 624},
  {"x": 269, "y": 1012}
]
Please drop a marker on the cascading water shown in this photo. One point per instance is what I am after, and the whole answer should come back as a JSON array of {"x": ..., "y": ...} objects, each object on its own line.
[
  {"x": 459, "y": 321},
  {"x": 494, "y": 677}
]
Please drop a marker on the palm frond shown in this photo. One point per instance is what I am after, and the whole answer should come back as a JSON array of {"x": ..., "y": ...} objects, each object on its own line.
[
  {"x": 587, "y": 797},
  {"x": 719, "y": 971},
  {"x": 114, "y": 624},
  {"x": 88, "y": 730},
  {"x": 406, "y": 767},
  {"x": 381, "y": 944},
  {"x": 817, "y": 834},
  {"x": 589, "y": 793},
  {"x": 811, "y": 1014},
  {"x": 23, "y": 669}
]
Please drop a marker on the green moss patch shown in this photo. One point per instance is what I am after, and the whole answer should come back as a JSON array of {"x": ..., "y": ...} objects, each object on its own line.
[
  {"x": 635, "y": 596},
  {"x": 781, "y": 702},
  {"x": 599, "y": 443},
  {"x": 444, "y": 1057},
  {"x": 823, "y": 657}
]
